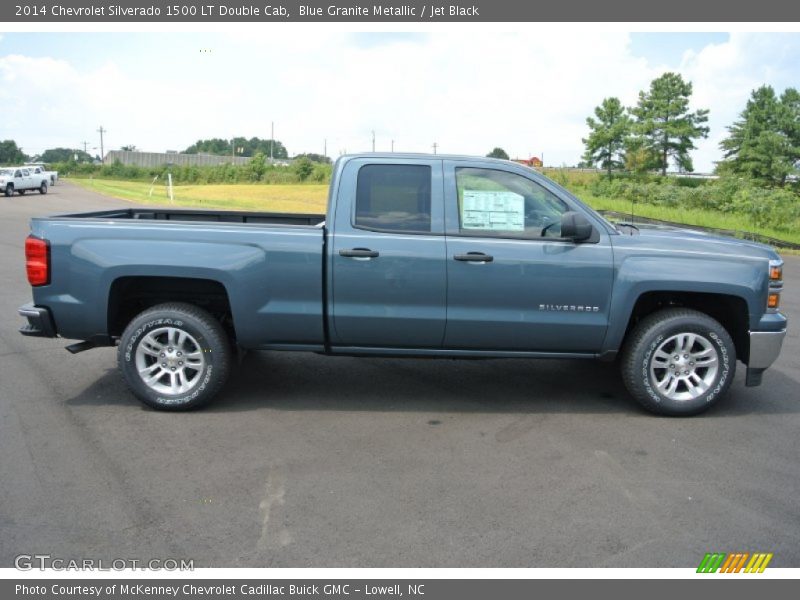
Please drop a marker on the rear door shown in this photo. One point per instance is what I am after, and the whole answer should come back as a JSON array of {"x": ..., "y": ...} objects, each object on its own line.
[
  {"x": 387, "y": 260},
  {"x": 513, "y": 282},
  {"x": 28, "y": 178}
]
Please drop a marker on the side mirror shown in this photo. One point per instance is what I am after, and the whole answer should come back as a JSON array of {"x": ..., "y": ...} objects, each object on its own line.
[{"x": 575, "y": 226}]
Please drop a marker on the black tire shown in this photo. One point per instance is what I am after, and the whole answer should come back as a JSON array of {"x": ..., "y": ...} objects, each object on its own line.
[
  {"x": 9, "y": 190},
  {"x": 21, "y": 192},
  {"x": 698, "y": 378},
  {"x": 202, "y": 331},
  {"x": 43, "y": 188}
]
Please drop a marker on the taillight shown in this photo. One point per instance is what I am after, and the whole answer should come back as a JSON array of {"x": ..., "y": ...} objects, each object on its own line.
[{"x": 37, "y": 261}]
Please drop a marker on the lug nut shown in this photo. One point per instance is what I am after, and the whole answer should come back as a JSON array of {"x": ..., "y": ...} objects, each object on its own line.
[
  {"x": 180, "y": 353},
  {"x": 173, "y": 368},
  {"x": 162, "y": 355},
  {"x": 180, "y": 363},
  {"x": 685, "y": 356},
  {"x": 685, "y": 372}
]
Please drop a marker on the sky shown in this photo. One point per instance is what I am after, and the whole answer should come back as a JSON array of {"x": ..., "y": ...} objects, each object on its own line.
[{"x": 527, "y": 91}]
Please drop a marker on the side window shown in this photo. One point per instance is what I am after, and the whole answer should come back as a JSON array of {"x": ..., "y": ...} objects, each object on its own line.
[
  {"x": 502, "y": 204},
  {"x": 394, "y": 198},
  {"x": 25, "y": 172},
  {"x": 17, "y": 173}
]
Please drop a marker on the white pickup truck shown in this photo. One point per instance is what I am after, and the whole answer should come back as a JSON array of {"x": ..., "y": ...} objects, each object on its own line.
[
  {"x": 23, "y": 179},
  {"x": 53, "y": 175}
]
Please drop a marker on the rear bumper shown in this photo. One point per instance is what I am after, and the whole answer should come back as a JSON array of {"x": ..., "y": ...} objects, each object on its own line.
[
  {"x": 765, "y": 346},
  {"x": 40, "y": 321}
]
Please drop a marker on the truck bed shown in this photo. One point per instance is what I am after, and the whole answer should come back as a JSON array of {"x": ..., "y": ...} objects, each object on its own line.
[{"x": 222, "y": 216}]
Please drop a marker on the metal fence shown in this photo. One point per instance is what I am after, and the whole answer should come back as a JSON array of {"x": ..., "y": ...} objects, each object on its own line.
[{"x": 160, "y": 159}]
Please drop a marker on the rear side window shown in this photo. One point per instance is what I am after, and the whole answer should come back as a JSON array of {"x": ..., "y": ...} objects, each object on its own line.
[{"x": 394, "y": 198}]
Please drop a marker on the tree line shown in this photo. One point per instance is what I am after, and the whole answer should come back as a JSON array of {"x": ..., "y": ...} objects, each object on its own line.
[{"x": 764, "y": 144}]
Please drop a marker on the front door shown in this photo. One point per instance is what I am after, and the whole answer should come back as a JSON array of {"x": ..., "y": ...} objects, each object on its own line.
[{"x": 513, "y": 282}]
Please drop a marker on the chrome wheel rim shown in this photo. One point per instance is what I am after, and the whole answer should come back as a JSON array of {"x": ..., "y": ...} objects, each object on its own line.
[
  {"x": 684, "y": 366},
  {"x": 170, "y": 361}
]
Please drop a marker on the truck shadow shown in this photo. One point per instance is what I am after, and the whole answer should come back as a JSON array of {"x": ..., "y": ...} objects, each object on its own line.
[{"x": 308, "y": 382}]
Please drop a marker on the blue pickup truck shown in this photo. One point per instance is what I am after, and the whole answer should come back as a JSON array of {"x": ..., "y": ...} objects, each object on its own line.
[{"x": 418, "y": 256}]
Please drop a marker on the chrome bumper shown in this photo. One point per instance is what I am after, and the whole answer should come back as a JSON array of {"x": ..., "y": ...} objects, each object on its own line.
[{"x": 765, "y": 346}]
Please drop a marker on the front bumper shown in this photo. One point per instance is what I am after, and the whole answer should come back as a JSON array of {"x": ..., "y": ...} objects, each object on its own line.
[
  {"x": 765, "y": 346},
  {"x": 40, "y": 321}
]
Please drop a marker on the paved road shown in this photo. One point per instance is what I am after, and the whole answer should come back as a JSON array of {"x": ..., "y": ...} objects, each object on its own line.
[{"x": 313, "y": 461}]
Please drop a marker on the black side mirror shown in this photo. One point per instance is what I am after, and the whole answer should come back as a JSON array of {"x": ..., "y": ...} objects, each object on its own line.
[{"x": 575, "y": 226}]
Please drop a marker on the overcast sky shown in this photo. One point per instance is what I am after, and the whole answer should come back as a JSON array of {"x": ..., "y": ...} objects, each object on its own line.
[{"x": 527, "y": 91}]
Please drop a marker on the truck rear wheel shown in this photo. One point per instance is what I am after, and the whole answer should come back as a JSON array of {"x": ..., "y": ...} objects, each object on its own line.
[
  {"x": 174, "y": 356},
  {"x": 678, "y": 362},
  {"x": 22, "y": 192},
  {"x": 43, "y": 188}
]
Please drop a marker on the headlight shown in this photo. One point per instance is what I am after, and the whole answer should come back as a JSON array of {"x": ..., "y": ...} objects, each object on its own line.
[{"x": 775, "y": 285}]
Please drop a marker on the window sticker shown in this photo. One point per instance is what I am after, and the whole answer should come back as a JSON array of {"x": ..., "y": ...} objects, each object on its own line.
[{"x": 496, "y": 211}]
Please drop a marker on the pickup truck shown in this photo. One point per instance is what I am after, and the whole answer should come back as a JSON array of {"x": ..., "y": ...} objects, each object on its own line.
[
  {"x": 52, "y": 175},
  {"x": 417, "y": 256},
  {"x": 21, "y": 180}
]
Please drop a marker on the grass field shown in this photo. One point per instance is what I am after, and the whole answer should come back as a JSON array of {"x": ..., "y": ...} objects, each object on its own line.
[
  {"x": 311, "y": 198},
  {"x": 257, "y": 197},
  {"x": 703, "y": 218}
]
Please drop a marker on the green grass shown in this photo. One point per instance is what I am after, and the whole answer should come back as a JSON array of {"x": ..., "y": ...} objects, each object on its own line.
[
  {"x": 297, "y": 198},
  {"x": 702, "y": 218}
]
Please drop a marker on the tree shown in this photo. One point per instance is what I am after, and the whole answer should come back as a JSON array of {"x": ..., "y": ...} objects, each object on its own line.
[
  {"x": 54, "y": 155},
  {"x": 664, "y": 123},
  {"x": 10, "y": 153},
  {"x": 314, "y": 157},
  {"x": 243, "y": 147},
  {"x": 129, "y": 148},
  {"x": 303, "y": 167},
  {"x": 609, "y": 133},
  {"x": 765, "y": 142},
  {"x": 498, "y": 153}
]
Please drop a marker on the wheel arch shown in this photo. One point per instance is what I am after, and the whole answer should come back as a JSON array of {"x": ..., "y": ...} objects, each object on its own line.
[
  {"x": 130, "y": 295},
  {"x": 730, "y": 310}
]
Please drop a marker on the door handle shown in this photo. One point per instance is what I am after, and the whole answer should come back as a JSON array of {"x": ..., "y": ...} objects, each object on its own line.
[
  {"x": 359, "y": 253},
  {"x": 474, "y": 257}
]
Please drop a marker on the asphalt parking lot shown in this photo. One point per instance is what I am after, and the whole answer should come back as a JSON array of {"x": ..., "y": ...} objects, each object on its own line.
[{"x": 306, "y": 460}]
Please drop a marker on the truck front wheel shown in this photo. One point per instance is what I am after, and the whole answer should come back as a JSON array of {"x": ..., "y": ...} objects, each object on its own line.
[
  {"x": 678, "y": 362},
  {"x": 9, "y": 190},
  {"x": 174, "y": 356}
]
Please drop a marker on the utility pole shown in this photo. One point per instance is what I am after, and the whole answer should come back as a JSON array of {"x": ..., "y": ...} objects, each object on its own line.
[
  {"x": 102, "y": 151},
  {"x": 85, "y": 145},
  {"x": 392, "y": 145},
  {"x": 435, "y": 146},
  {"x": 373, "y": 140},
  {"x": 271, "y": 139},
  {"x": 325, "y": 148}
]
